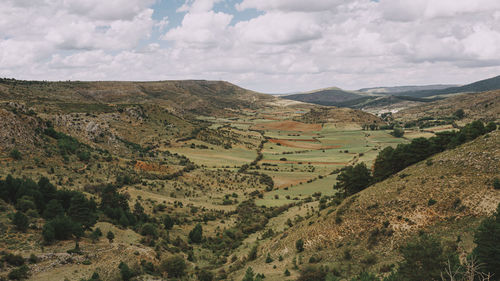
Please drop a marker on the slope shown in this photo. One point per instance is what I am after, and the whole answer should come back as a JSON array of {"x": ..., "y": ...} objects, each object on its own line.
[
  {"x": 479, "y": 86},
  {"x": 485, "y": 106},
  {"x": 195, "y": 96},
  {"x": 446, "y": 196},
  {"x": 329, "y": 96}
]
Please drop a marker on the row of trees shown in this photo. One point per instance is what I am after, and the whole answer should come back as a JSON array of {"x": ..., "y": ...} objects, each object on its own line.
[{"x": 392, "y": 160}]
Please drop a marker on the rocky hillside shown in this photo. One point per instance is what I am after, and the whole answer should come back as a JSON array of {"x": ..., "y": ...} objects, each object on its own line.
[
  {"x": 339, "y": 115},
  {"x": 484, "y": 106},
  {"x": 197, "y": 96},
  {"x": 446, "y": 195}
]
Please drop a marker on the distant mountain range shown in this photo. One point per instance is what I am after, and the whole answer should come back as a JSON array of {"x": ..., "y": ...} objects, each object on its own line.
[{"x": 384, "y": 96}]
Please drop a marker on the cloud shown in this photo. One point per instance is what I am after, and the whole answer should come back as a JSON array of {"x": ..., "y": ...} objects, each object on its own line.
[
  {"x": 289, "y": 45},
  {"x": 289, "y": 5}
]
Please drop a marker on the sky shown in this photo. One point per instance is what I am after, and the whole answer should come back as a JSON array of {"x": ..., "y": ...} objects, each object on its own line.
[{"x": 271, "y": 46}]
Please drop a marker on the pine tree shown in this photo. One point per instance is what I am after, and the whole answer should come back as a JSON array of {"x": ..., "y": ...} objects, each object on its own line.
[{"x": 196, "y": 235}]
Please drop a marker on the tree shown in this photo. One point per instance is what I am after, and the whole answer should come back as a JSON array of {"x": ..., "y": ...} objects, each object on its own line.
[
  {"x": 496, "y": 183},
  {"x": 53, "y": 209},
  {"x": 168, "y": 222},
  {"x": 174, "y": 266},
  {"x": 365, "y": 276},
  {"x": 61, "y": 228},
  {"x": 491, "y": 126},
  {"x": 21, "y": 222},
  {"x": 487, "y": 238},
  {"x": 205, "y": 275},
  {"x": 299, "y": 245},
  {"x": 269, "y": 259},
  {"x": 110, "y": 236},
  {"x": 354, "y": 179},
  {"x": 196, "y": 235},
  {"x": 19, "y": 273},
  {"x": 398, "y": 132},
  {"x": 125, "y": 271},
  {"x": 460, "y": 113},
  {"x": 149, "y": 229},
  {"x": 249, "y": 275},
  {"x": 81, "y": 211},
  {"x": 423, "y": 259},
  {"x": 252, "y": 255},
  {"x": 15, "y": 154}
]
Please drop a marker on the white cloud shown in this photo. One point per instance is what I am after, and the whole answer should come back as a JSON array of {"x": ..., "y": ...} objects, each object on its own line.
[{"x": 290, "y": 45}]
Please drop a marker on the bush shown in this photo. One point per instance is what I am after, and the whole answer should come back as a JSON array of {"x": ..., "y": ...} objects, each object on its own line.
[
  {"x": 110, "y": 236},
  {"x": 21, "y": 222},
  {"x": 14, "y": 260},
  {"x": 398, "y": 132},
  {"x": 486, "y": 238},
  {"x": 299, "y": 245},
  {"x": 269, "y": 259},
  {"x": 125, "y": 271},
  {"x": 423, "y": 259},
  {"x": 174, "y": 266},
  {"x": 19, "y": 273},
  {"x": 496, "y": 183},
  {"x": 196, "y": 235},
  {"x": 15, "y": 154},
  {"x": 168, "y": 222},
  {"x": 205, "y": 275},
  {"x": 354, "y": 179}
]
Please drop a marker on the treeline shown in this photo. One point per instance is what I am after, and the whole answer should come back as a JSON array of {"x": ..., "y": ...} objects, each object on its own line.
[
  {"x": 391, "y": 160},
  {"x": 67, "y": 213}
]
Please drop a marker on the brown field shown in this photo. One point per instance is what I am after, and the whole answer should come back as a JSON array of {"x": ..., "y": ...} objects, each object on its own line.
[
  {"x": 289, "y": 125},
  {"x": 151, "y": 167},
  {"x": 304, "y": 162},
  {"x": 306, "y": 144}
]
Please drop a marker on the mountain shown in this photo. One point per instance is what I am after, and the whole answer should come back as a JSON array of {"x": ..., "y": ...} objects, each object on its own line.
[
  {"x": 195, "y": 96},
  {"x": 479, "y": 86},
  {"x": 401, "y": 89},
  {"x": 485, "y": 106},
  {"x": 327, "y": 96},
  {"x": 382, "y": 99}
]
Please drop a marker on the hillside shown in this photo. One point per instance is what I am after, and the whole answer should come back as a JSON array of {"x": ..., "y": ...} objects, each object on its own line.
[
  {"x": 479, "y": 86},
  {"x": 485, "y": 106},
  {"x": 401, "y": 89},
  {"x": 339, "y": 116},
  {"x": 446, "y": 196},
  {"x": 194, "y": 96},
  {"x": 329, "y": 96}
]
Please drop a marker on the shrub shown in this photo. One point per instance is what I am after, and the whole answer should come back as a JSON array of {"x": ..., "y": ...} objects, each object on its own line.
[
  {"x": 19, "y": 273},
  {"x": 486, "y": 238},
  {"x": 205, "y": 275},
  {"x": 14, "y": 260},
  {"x": 431, "y": 202},
  {"x": 496, "y": 183},
  {"x": 287, "y": 272},
  {"x": 423, "y": 259},
  {"x": 21, "y": 222},
  {"x": 253, "y": 253},
  {"x": 269, "y": 259},
  {"x": 299, "y": 245},
  {"x": 174, "y": 266},
  {"x": 196, "y": 235},
  {"x": 125, "y": 271},
  {"x": 110, "y": 236},
  {"x": 168, "y": 222},
  {"x": 15, "y": 154}
]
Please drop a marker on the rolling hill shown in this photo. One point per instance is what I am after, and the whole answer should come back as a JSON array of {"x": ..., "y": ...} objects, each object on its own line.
[
  {"x": 446, "y": 196},
  {"x": 485, "y": 106},
  {"x": 195, "y": 96},
  {"x": 328, "y": 96}
]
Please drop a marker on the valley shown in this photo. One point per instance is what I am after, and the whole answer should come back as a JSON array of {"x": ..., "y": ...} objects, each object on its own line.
[{"x": 158, "y": 161}]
